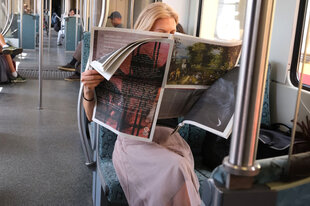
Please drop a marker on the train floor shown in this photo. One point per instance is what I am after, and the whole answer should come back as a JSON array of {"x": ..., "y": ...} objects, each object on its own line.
[{"x": 41, "y": 159}]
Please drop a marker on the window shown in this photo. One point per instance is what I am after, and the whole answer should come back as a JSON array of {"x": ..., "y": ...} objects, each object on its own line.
[
  {"x": 301, "y": 50},
  {"x": 222, "y": 19}
]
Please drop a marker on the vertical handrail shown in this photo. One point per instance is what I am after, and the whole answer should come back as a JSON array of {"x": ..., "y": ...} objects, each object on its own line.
[
  {"x": 104, "y": 11},
  {"x": 49, "y": 24},
  {"x": 41, "y": 52},
  {"x": 132, "y": 5},
  {"x": 21, "y": 23},
  {"x": 82, "y": 16},
  {"x": 35, "y": 7},
  {"x": 251, "y": 83},
  {"x": 76, "y": 23},
  {"x": 88, "y": 11},
  {"x": 82, "y": 124}
]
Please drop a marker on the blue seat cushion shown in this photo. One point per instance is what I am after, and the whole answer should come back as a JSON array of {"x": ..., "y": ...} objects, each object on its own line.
[
  {"x": 201, "y": 179},
  {"x": 106, "y": 142},
  {"x": 194, "y": 136},
  {"x": 111, "y": 185},
  {"x": 85, "y": 50},
  {"x": 266, "y": 105}
]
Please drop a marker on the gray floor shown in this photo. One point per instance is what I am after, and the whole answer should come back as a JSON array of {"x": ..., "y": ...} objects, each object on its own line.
[
  {"x": 41, "y": 160},
  {"x": 53, "y": 56}
]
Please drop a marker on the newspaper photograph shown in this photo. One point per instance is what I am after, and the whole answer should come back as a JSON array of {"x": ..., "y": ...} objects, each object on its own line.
[
  {"x": 197, "y": 61},
  {"x": 215, "y": 108}
]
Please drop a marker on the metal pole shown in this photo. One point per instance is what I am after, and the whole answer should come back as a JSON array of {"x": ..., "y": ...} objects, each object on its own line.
[
  {"x": 103, "y": 15},
  {"x": 251, "y": 83},
  {"x": 49, "y": 24},
  {"x": 21, "y": 23},
  {"x": 87, "y": 19},
  {"x": 91, "y": 15},
  {"x": 132, "y": 5},
  {"x": 76, "y": 23},
  {"x": 82, "y": 129},
  {"x": 35, "y": 7},
  {"x": 81, "y": 12},
  {"x": 41, "y": 52}
]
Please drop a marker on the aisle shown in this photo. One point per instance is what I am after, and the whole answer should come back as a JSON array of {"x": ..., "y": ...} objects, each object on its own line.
[
  {"x": 28, "y": 61},
  {"x": 41, "y": 159}
]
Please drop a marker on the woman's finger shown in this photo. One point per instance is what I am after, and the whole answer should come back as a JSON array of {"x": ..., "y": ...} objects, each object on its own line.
[{"x": 92, "y": 78}]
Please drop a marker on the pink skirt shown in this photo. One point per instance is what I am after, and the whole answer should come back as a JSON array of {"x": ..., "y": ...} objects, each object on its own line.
[{"x": 157, "y": 173}]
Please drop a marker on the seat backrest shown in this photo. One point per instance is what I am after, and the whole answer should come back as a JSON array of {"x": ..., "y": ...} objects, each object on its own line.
[
  {"x": 85, "y": 50},
  {"x": 106, "y": 142}
]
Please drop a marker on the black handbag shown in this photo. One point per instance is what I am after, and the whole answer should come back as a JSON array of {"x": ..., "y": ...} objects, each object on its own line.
[{"x": 273, "y": 141}]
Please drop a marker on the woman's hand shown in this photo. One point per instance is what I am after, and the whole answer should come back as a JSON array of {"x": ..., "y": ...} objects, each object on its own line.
[{"x": 91, "y": 79}]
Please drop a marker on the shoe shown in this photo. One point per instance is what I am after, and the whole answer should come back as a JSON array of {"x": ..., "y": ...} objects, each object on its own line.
[
  {"x": 74, "y": 77},
  {"x": 18, "y": 79},
  {"x": 68, "y": 67},
  {"x": 12, "y": 50}
]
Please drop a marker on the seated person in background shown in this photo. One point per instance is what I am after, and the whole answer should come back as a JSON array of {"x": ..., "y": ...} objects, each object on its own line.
[
  {"x": 116, "y": 19},
  {"x": 151, "y": 173},
  {"x": 61, "y": 32},
  {"x": 74, "y": 64},
  {"x": 7, "y": 51}
]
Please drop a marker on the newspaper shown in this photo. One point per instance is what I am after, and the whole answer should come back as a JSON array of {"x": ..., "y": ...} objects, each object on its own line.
[{"x": 152, "y": 76}]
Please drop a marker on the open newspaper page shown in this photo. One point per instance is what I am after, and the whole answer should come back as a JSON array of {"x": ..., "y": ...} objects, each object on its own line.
[
  {"x": 196, "y": 64},
  {"x": 109, "y": 40},
  {"x": 129, "y": 102},
  {"x": 215, "y": 108},
  {"x": 150, "y": 76},
  {"x": 108, "y": 64}
]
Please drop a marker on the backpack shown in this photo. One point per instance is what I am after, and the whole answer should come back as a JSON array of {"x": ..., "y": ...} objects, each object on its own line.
[
  {"x": 272, "y": 142},
  {"x": 4, "y": 70}
]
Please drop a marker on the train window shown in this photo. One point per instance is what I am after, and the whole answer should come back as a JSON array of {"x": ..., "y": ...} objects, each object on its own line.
[
  {"x": 222, "y": 19},
  {"x": 301, "y": 51}
]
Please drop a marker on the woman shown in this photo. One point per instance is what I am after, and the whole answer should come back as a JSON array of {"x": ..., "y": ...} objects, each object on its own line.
[{"x": 160, "y": 172}]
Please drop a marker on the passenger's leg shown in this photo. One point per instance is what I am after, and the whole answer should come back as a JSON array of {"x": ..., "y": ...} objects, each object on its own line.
[
  {"x": 2, "y": 41},
  {"x": 60, "y": 37},
  {"x": 77, "y": 54},
  {"x": 137, "y": 163},
  {"x": 15, "y": 76},
  {"x": 6, "y": 49},
  {"x": 76, "y": 59},
  {"x": 77, "y": 62},
  {"x": 11, "y": 65}
]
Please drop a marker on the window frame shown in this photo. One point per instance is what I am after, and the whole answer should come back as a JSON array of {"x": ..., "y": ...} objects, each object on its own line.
[{"x": 300, "y": 30}]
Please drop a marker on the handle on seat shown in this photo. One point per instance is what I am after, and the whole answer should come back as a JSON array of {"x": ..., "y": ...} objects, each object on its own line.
[{"x": 81, "y": 116}]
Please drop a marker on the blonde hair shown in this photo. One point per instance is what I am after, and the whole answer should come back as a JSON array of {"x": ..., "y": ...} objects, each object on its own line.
[{"x": 152, "y": 13}]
